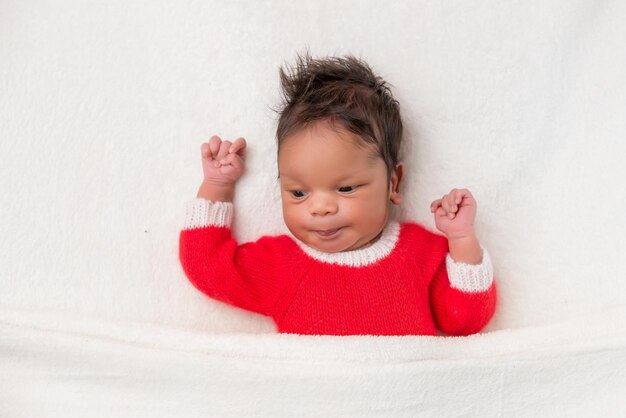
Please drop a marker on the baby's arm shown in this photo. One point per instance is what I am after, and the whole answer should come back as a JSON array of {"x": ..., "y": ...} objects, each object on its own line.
[
  {"x": 240, "y": 275},
  {"x": 463, "y": 292},
  {"x": 463, "y": 296},
  {"x": 246, "y": 276}
]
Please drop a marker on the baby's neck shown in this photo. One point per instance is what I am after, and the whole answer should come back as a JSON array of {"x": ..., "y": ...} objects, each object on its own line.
[{"x": 370, "y": 242}]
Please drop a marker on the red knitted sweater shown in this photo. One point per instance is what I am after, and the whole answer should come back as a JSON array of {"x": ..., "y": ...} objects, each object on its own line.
[{"x": 397, "y": 286}]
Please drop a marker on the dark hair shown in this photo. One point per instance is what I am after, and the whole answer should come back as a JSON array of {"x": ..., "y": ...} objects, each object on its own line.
[{"x": 346, "y": 92}]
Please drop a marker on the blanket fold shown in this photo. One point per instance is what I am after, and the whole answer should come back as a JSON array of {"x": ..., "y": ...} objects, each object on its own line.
[{"x": 53, "y": 361}]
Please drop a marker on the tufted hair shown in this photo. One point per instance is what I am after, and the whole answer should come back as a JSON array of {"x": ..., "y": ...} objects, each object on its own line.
[{"x": 345, "y": 92}]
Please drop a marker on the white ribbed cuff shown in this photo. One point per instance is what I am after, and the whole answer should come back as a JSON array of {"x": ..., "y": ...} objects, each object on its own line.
[
  {"x": 202, "y": 212},
  {"x": 470, "y": 277}
]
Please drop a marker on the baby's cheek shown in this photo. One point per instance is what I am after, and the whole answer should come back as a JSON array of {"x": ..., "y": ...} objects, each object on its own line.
[
  {"x": 371, "y": 211},
  {"x": 287, "y": 215},
  {"x": 292, "y": 216}
]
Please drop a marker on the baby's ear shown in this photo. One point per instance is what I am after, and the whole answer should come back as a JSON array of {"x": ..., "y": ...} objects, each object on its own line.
[{"x": 394, "y": 185}]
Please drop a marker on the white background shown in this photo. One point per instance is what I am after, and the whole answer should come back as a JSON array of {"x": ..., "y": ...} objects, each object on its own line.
[{"x": 104, "y": 105}]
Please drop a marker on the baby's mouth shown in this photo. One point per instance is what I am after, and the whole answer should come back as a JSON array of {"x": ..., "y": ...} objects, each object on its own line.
[{"x": 328, "y": 233}]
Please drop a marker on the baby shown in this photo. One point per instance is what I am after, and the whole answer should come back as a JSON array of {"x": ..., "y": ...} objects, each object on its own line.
[{"x": 347, "y": 267}]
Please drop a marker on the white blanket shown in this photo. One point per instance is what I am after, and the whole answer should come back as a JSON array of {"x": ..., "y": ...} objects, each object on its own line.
[
  {"x": 104, "y": 369},
  {"x": 103, "y": 109}
]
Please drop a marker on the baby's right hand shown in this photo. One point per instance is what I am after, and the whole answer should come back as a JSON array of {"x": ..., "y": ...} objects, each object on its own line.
[{"x": 221, "y": 160}]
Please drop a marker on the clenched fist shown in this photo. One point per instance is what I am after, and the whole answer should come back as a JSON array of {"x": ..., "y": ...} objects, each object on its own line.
[
  {"x": 455, "y": 213},
  {"x": 222, "y": 161}
]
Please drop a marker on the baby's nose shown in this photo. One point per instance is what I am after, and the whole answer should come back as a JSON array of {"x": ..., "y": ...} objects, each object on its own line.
[{"x": 322, "y": 205}]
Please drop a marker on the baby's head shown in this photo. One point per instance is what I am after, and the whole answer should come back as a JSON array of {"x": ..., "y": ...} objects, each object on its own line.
[{"x": 339, "y": 134}]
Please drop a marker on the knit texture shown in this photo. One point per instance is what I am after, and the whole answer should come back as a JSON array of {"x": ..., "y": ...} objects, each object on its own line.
[{"x": 397, "y": 286}]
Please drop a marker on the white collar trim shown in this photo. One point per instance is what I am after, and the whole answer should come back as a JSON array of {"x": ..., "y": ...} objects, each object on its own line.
[{"x": 359, "y": 257}]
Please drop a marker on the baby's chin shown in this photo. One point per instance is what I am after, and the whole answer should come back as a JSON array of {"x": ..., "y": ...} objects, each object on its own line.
[
  {"x": 326, "y": 247},
  {"x": 343, "y": 242}
]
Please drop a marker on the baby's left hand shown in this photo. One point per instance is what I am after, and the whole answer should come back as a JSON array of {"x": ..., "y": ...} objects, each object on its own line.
[{"x": 455, "y": 213}]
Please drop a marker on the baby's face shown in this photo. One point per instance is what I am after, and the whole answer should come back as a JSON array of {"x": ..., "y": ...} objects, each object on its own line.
[{"x": 335, "y": 193}]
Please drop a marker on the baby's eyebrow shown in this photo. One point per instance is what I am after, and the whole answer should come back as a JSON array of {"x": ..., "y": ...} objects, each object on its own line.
[
  {"x": 355, "y": 172},
  {"x": 284, "y": 175},
  {"x": 352, "y": 175},
  {"x": 289, "y": 179}
]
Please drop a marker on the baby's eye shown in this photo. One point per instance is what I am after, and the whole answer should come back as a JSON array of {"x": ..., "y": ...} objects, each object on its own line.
[
  {"x": 297, "y": 193},
  {"x": 347, "y": 189}
]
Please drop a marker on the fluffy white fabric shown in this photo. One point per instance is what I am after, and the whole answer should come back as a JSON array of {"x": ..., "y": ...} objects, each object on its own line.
[
  {"x": 62, "y": 366},
  {"x": 103, "y": 109}
]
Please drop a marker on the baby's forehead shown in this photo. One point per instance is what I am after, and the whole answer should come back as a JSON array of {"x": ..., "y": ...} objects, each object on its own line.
[
  {"x": 327, "y": 152},
  {"x": 330, "y": 172},
  {"x": 345, "y": 160},
  {"x": 320, "y": 147}
]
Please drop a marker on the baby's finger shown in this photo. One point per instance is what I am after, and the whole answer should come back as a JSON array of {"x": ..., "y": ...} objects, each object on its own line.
[
  {"x": 214, "y": 145},
  {"x": 458, "y": 196},
  {"x": 223, "y": 151},
  {"x": 238, "y": 146},
  {"x": 435, "y": 205},
  {"x": 446, "y": 204},
  {"x": 453, "y": 199},
  {"x": 235, "y": 160},
  {"x": 449, "y": 206},
  {"x": 462, "y": 194},
  {"x": 205, "y": 151},
  {"x": 441, "y": 212}
]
